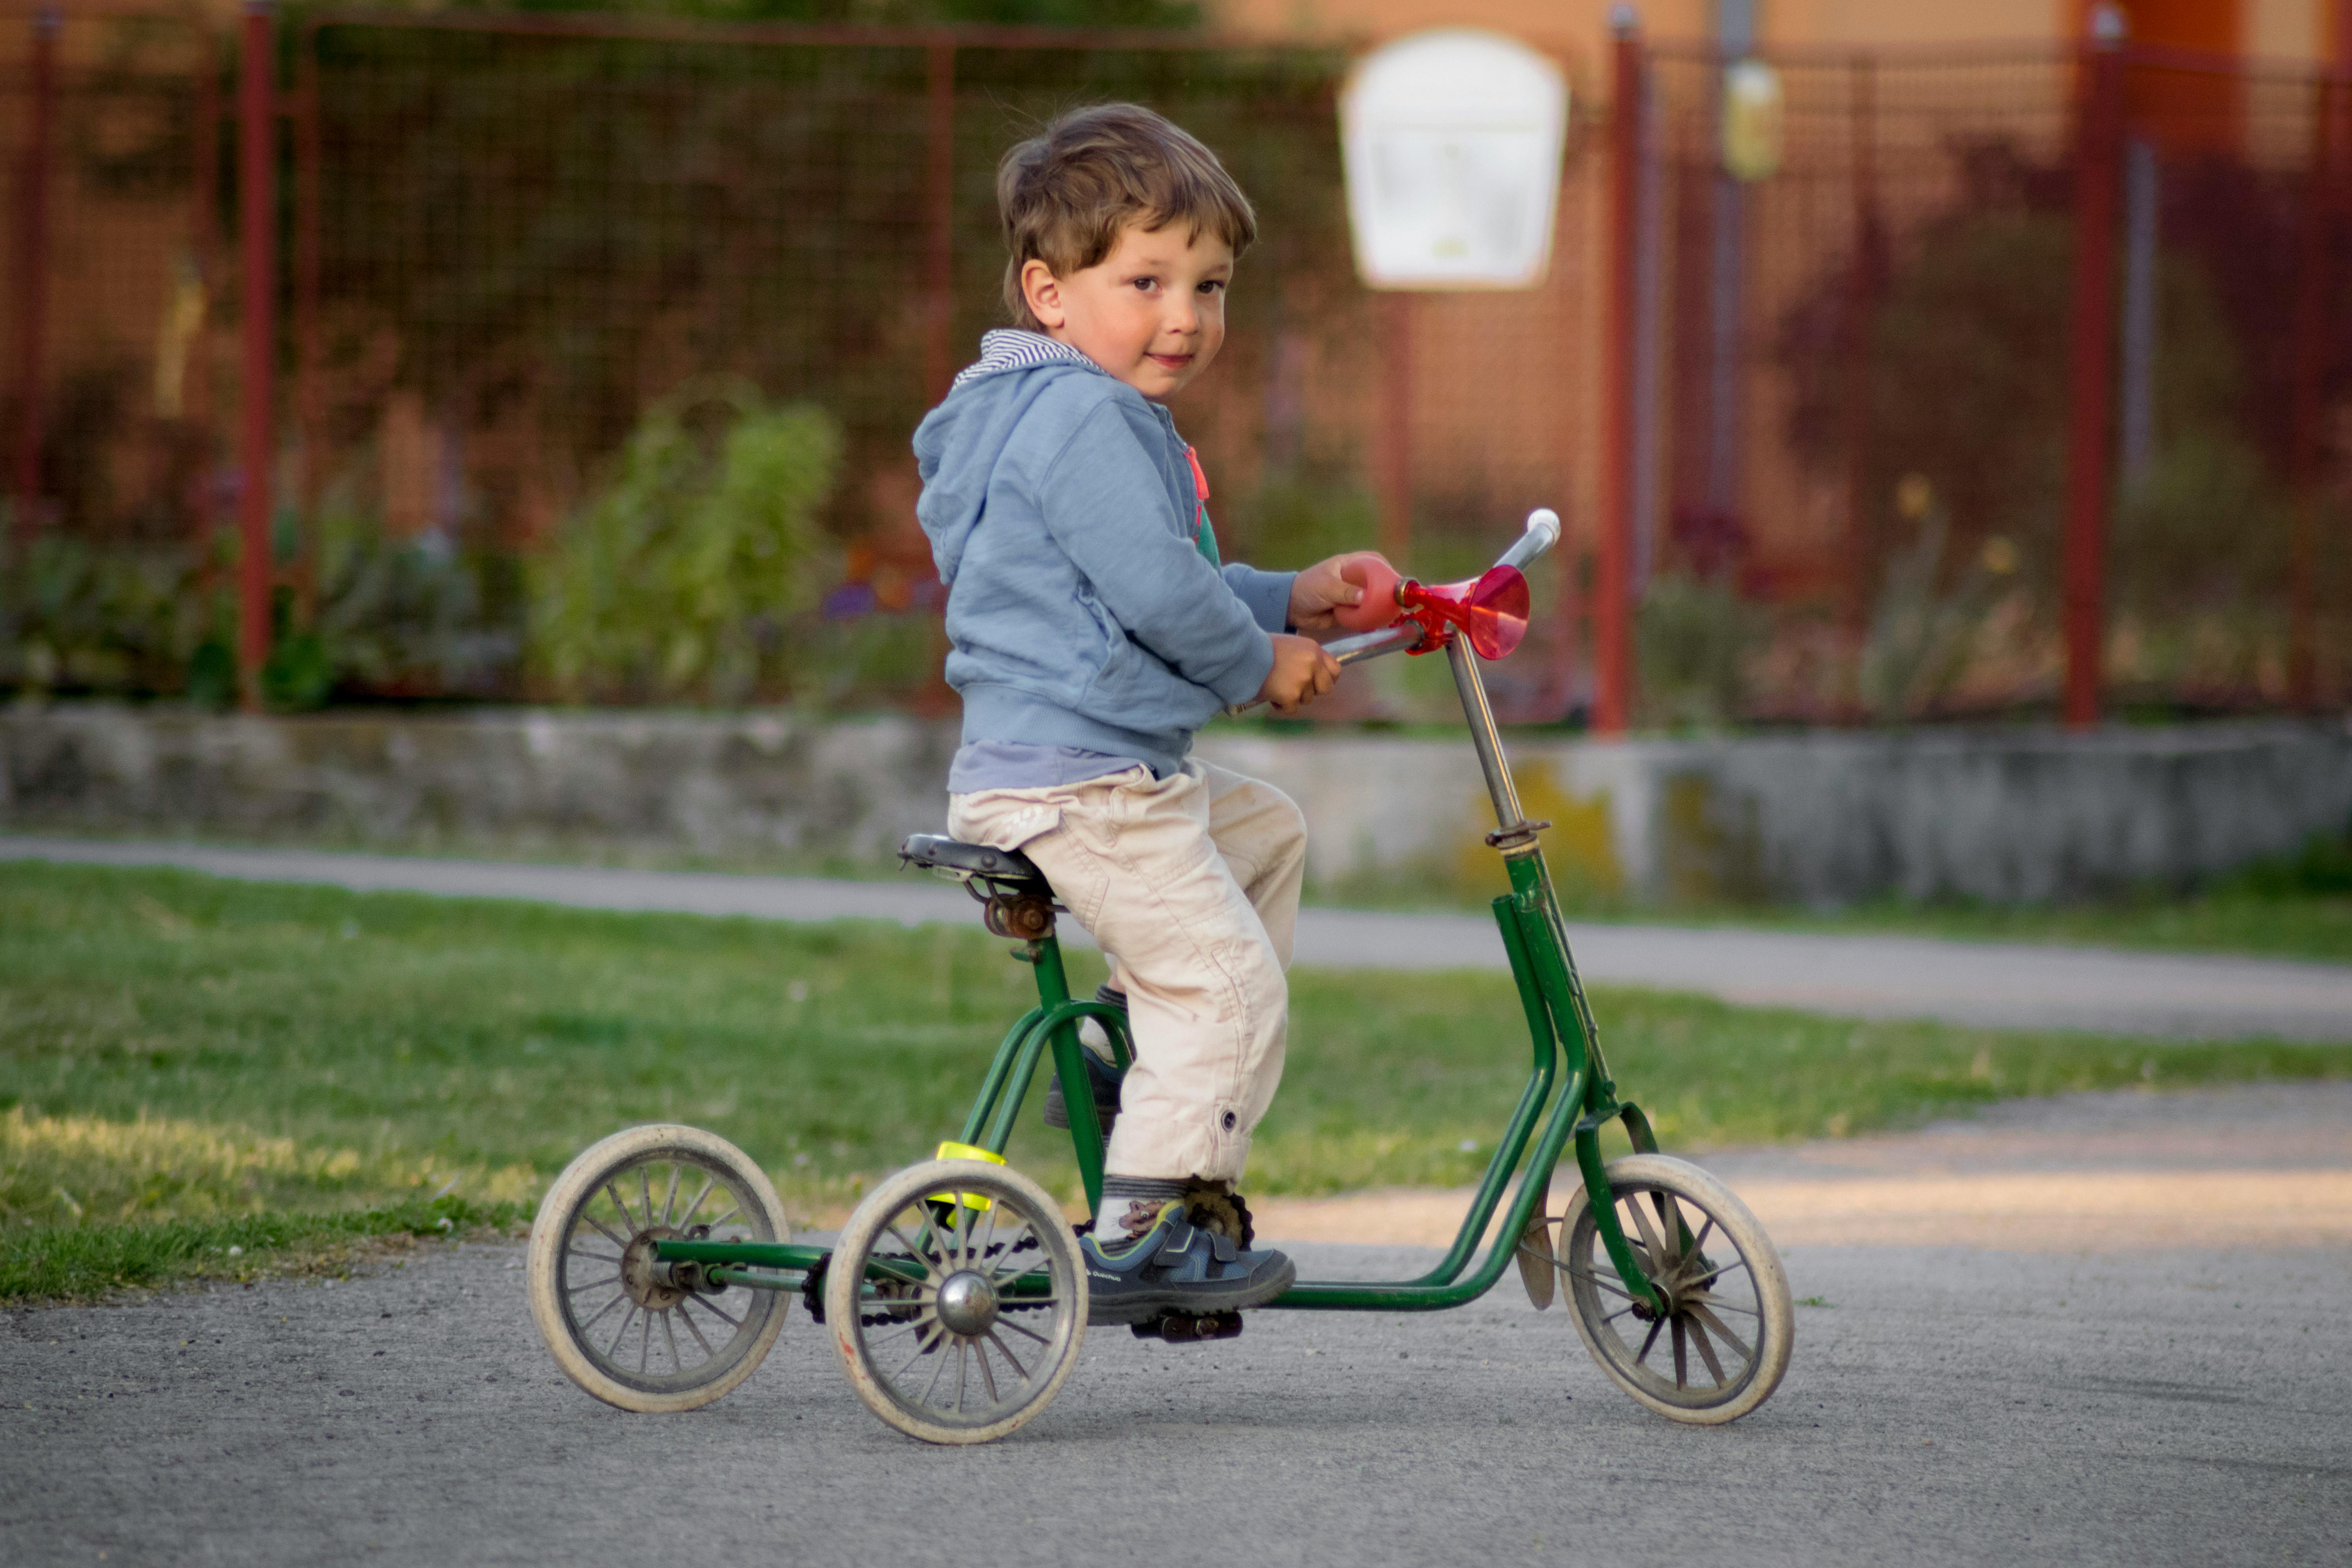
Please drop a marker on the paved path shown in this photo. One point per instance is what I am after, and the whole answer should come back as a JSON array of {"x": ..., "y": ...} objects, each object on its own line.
[
  {"x": 2185, "y": 995},
  {"x": 1945, "y": 1405}
]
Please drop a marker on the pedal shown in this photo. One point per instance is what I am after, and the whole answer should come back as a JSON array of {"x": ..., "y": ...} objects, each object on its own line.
[{"x": 1190, "y": 1328}]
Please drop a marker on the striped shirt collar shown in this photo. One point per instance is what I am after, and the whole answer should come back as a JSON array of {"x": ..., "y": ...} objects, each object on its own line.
[{"x": 1009, "y": 348}]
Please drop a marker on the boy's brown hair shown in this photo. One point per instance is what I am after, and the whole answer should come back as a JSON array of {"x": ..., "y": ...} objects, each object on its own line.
[{"x": 1064, "y": 193}]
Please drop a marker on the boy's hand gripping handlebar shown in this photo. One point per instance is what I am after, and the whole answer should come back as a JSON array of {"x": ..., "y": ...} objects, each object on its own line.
[{"x": 1491, "y": 609}]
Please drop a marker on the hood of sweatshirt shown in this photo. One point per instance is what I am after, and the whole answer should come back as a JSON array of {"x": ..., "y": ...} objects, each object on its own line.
[{"x": 957, "y": 443}]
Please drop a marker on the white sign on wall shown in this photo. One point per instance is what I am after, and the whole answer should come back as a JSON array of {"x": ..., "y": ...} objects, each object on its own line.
[{"x": 1452, "y": 141}]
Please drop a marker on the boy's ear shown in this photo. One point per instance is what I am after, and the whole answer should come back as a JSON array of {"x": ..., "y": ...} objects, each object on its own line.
[{"x": 1043, "y": 291}]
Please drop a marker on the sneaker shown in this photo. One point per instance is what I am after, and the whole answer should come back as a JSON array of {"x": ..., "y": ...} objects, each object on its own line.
[
  {"x": 1177, "y": 1266},
  {"x": 1101, "y": 1076}
]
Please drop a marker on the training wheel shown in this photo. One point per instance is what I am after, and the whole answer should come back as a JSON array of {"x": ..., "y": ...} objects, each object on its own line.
[
  {"x": 1718, "y": 1350},
  {"x": 976, "y": 1322},
  {"x": 622, "y": 1327}
]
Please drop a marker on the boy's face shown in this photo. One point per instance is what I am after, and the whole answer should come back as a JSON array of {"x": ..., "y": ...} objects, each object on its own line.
[{"x": 1152, "y": 312}]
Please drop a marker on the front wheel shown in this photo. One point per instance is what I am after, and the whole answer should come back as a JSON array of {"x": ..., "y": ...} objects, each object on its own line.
[
  {"x": 628, "y": 1330},
  {"x": 1721, "y": 1345}
]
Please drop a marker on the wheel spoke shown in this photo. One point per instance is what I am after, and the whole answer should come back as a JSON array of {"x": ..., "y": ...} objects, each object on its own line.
[
  {"x": 1695, "y": 1261},
  {"x": 1655, "y": 1324},
  {"x": 627, "y": 1319},
  {"x": 1608, "y": 1284},
  {"x": 687, "y": 1218},
  {"x": 626, "y": 1217},
  {"x": 1706, "y": 1350},
  {"x": 1649, "y": 1236},
  {"x": 645, "y": 1192},
  {"x": 688, "y": 1319},
  {"x": 1009, "y": 1258},
  {"x": 963, "y": 1349},
  {"x": 916, "y": 1253},
  {"x": 646, "y": 1333},
  {"x": 1708, "y": 1298},
  {"x": 936, "y": 1371},
  {"x": 708, "y": 1305},
  {"x": 1006, "y": 1352},
  {"x": 1670, "y": 1228},
  {"x": 613, "y": 1278},
  {"x": 1029, "y": 1332},
  {"x": 1699, "y": 1315},
  {"x": 618, "y": 1241},
  {"x": 669, "y": 1333},
  {"x": 922, "y": 1347},
  {"x": 592, "y": 1322},
  {"x": 987, "y": 1377},
  {"x": 1681, "y": 1357},
  {"x": 669, "y": 1198},
  {"x": 590, "y": 1256}
]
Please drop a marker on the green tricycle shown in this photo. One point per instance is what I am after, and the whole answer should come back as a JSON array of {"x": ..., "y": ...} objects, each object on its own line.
[{"x": 955, "y": 1293}]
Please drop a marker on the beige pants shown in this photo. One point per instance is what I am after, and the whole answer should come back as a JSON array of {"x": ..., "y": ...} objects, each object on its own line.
[{"x": 1191, "y": 884}]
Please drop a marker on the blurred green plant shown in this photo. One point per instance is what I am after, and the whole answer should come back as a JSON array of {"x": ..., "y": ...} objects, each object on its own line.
[
  {"x": 1302, "y": 515},
  {"x": 1929, "y": 610},
  {"x": 75, "y": 615},
  {"x": 683, "y": 577},
  {"x": 1695, "y": 637}
]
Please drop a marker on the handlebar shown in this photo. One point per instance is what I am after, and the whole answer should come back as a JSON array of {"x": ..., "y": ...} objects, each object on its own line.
[{"x": 1542, "y": 532}]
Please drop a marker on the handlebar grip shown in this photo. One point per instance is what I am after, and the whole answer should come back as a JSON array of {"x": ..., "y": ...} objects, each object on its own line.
[{"x": 1542, "y": 534}]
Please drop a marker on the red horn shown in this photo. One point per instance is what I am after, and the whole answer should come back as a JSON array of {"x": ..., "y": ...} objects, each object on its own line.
[{"x": 1491, "y": 610}]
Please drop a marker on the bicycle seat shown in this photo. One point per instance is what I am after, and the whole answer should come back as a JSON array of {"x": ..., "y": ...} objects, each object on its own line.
[{"x": 1007, "y": 870}]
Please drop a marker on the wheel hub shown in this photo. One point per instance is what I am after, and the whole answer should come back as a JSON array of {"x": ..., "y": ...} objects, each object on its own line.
[
  {"x": 641, "y": 1276},
  {"x": 967, "y": 1304}
]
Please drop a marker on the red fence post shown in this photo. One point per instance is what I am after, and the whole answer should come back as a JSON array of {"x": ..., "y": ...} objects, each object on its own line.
[
  {"x": 939, "y": 203},
  {"x": 33, "y": 269},
  {"x": 2090, "y": 375},
  {"x": 1396, "y": 429},
  {"x": 1865, "y": 274},
  {"x": 309, "y": 413},
  {"x": 2322, "y": 210},
  {"x": 1612, "y": 649},
  {"x": 257, "y": 201}
]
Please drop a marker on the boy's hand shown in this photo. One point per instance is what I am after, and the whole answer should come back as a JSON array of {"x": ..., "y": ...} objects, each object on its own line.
[
  {"x": 1302, "y": 672},
  {"x": 1317, "y": 592}
]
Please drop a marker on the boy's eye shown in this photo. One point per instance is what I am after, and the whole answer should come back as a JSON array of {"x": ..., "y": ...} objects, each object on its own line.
[
  {"x": 1147, "y": 284},
  {"x": 1212, "y": 286}
]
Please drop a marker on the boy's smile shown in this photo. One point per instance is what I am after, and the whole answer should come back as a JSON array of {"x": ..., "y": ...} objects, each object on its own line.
[{"x": 1152, "y": 312}]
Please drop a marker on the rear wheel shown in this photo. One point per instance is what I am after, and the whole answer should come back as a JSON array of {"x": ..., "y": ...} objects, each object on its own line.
[
  {"x": 632, "y": 1332},
  {"x": 1721, "y": 1345}
]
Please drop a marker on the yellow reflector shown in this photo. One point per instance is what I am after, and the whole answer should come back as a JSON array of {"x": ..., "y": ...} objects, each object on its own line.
[{"x": 954, "y": 1150}]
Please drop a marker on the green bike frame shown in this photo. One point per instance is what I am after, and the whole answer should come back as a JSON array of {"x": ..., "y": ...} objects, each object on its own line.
[{"x": 1568, "y": 1076}]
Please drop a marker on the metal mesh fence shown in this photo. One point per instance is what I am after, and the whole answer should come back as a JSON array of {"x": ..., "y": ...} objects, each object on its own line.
[
  {"x": 1854, "y": 465},
  {"x": 513, "y": 245}
]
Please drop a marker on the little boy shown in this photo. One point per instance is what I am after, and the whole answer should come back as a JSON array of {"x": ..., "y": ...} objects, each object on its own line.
[{"x": 1093, "y": 632}]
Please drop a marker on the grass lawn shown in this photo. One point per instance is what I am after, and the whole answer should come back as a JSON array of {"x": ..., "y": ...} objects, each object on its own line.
[{"x": 189, "y": 1064}]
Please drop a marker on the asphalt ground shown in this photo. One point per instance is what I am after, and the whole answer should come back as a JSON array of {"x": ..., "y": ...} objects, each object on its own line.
[
  {"x": 2124, "y": 1399},
  {"x": 2187, "y": 995}
]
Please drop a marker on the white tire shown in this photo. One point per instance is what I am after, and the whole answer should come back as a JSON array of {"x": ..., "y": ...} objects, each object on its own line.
[
  {"x": 617, "y": 1329},
  {"x": 987, "y": 1327},
  {"x": 1721, "y": 1351}
]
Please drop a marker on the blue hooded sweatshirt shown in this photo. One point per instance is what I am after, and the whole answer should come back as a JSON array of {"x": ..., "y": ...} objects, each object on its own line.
[{"x": 1083, "y": 614}]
